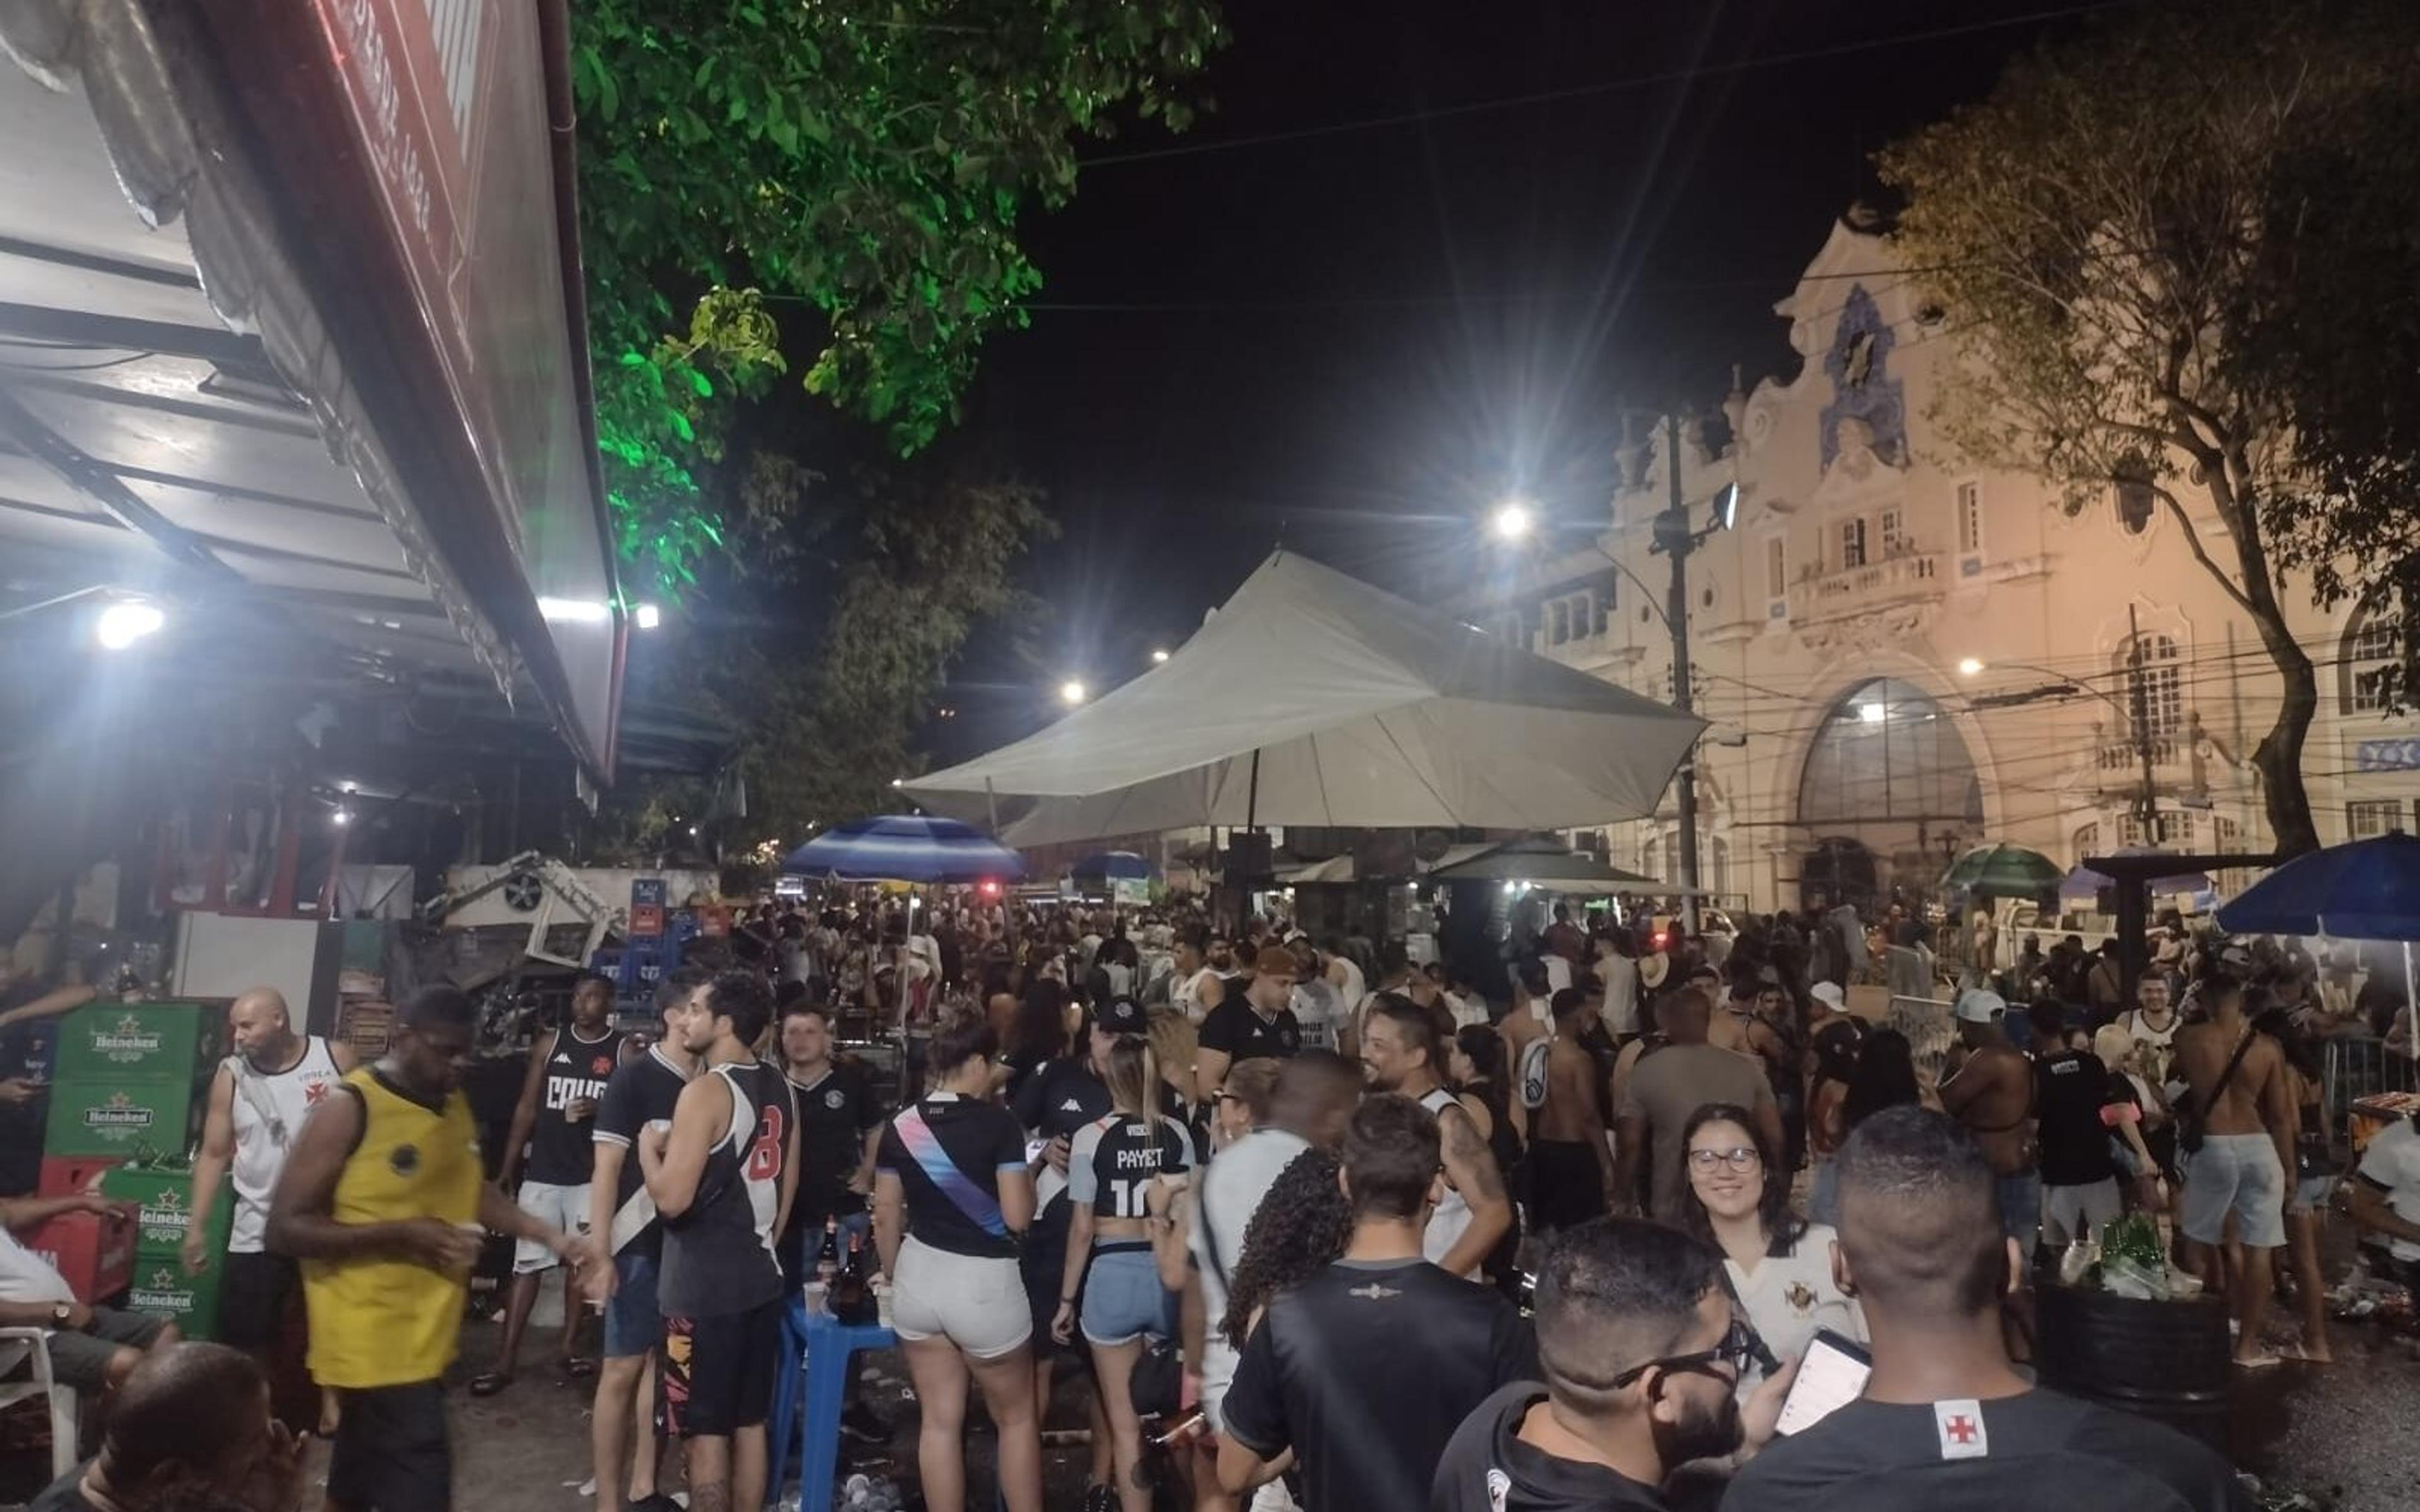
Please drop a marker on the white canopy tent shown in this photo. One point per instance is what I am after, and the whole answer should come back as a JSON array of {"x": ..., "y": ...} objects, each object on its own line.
[{"x": 1311, "y": 698}]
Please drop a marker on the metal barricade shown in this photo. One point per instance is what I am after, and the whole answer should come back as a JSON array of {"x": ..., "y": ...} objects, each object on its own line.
[{"x": 2352, "y": 1067}]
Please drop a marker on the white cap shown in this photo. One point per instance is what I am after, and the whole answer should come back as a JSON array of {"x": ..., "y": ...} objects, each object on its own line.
[
  {"x": 1979, "y": 1005},
  {"x": 1830, "y": 996}
]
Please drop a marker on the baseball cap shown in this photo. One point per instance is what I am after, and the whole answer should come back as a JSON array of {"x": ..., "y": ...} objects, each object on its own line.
[
  {"x": 1121, "y": 1016},
  {"x": 1275, "y": 960},
  {"x": 1830, "y": 996},
  {"x": 1979, "y": 1005}
]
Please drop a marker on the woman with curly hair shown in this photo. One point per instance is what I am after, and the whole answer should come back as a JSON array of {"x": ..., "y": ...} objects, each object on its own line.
[{"x": 1299, "y": 1228}]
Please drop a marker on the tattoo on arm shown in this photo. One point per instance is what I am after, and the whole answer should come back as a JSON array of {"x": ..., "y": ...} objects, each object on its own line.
[{"x": 1475, "y": 1165}]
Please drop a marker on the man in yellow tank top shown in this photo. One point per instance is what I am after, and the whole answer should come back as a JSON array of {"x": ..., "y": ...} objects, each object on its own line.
[{"x": 382, "y": 1200}]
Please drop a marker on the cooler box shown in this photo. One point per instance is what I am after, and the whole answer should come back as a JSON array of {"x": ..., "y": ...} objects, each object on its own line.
[
  {"x": 112, "y": 1043},
  {"x": 113, "y": 1118},
  {"x": 163, "y": 1200},
  {"x": 64, "y": 1176},
  {"x": 160, "y": 1288},
  {"x": 94, "y": 1251}
]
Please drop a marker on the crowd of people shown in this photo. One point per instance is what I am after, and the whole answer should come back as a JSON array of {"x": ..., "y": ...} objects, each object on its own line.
[{"x": 1315, "y": 1224}]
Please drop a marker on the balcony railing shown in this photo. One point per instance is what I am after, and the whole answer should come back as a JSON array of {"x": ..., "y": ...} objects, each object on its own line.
[{"x": 1901, "y": 576}]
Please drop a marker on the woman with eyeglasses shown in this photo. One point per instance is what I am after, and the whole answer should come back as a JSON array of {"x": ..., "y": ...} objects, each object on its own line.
[{"x": 1778, "y": 1264}]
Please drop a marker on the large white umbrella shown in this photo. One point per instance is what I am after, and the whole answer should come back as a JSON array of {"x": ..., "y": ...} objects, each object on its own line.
[{"x": 1311, "y": 698}]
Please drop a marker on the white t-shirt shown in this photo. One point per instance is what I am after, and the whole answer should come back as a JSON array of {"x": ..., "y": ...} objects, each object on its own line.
[
  {"x": 26, "y": 1276},
  {"x": 1230, "y": 1190},
  {"x": 1354, "y": 987},
  {"x": 1620, "y": 976},
  {"x": 2391, "y": 1160},
  {"x": 1788, "y": 1297},
  {"x": 1318, "y": 1010}
]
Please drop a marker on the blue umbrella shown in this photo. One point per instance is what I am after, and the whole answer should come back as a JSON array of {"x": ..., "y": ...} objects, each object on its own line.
[
  {"x": 905, "y": 848},
  {"x": 2084, "y": 884},
  {"x": 2366, "y": 890},
  {"x": 1109, "y": 864}
]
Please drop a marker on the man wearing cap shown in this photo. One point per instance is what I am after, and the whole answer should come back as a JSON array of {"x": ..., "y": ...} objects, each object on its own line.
[
  {"x": 1993, "y": 1095},
  {"x": 1260, "y": 1021}
]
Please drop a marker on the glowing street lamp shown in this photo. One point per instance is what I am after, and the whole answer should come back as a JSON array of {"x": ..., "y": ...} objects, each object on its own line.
[
  {"x": 1969, "y": 665},
  {"x": 1072, "y": 692},
  {"x": 1511, "y": 520},
  {"x": 1158, "y": 654},
  {"x": 126, "y": 622}
]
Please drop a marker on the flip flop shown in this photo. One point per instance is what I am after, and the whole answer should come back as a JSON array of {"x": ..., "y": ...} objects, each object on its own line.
[
  {"x": 577, "y": 1367},
  {"x": 490, "y": 1382},
  {"x": 2300, "y": 1355},
  {"x": 2259, "y": 1362}
]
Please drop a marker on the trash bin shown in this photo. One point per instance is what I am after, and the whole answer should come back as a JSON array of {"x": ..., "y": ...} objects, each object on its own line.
[{"x": 2167, "y": 1361}]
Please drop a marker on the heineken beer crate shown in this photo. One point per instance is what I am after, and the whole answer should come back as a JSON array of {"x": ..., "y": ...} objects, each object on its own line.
[
  {"x": 160, "y": 1288},
  {"x": 162, "y": 1200},
  {"x": 112, "y": 1043},
  {"x": 117, "y": 1118}
]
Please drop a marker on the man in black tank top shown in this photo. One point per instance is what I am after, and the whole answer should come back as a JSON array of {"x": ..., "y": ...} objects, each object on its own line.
[
  {"x": 553, "y": 1123},
  {"x": 722, "y": 1178}
]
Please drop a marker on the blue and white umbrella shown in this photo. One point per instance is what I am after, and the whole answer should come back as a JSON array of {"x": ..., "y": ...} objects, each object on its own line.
[{"x": 905, "y": 848}]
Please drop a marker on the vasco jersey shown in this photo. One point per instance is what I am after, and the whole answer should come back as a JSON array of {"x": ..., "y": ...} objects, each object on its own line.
[
  {"x": 1112, "y": 1160},
  {"x": 561, "y": 1152},
  {"x": 719, "y": 1252}
]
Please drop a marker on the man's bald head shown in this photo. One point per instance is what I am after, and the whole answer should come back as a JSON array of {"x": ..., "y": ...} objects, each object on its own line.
[
  {"x": 190, "y": 1414},
  {"x": 1921, "y": 1219},
  {"x": 259, "y": 1023}
]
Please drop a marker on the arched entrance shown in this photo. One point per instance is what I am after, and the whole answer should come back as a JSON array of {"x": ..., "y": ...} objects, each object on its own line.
[{"x": 1887, "y": 774}]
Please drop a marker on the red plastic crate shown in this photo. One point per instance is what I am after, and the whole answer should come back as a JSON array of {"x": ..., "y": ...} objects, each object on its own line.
[
  {"x": 95, "y": 1252},
  {"x": 64, "y": 1176}
]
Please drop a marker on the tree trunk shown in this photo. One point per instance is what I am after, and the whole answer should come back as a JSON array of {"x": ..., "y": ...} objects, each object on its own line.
[{"x": 2278, "y": 758}]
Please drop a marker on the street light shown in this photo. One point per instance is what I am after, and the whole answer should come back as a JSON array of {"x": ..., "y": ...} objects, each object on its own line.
[
  {"x": 127, "y": 621},
  {"x": 1072, "y": 692},
  {"x": 1511, "y": 520},
  {"x": 1969, "y": 665},
  {"x": 1158, "y": 654},
  {"x": 648, "y": 617}
]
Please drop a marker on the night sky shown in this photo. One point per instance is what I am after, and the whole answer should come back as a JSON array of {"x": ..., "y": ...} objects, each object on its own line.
[{"x": 1353, "y": 341}]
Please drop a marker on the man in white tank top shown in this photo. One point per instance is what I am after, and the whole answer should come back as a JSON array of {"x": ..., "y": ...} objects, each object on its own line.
[
  {"x": 1402, "y": 1049},
  {"x": 258, "y": 1101}
]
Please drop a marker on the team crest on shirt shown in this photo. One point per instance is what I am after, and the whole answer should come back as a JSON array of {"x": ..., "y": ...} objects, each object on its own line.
[
  {"x": 1801, "y": 1298},
  {"x": 314, "y": 1092},
  {"x": 601, "y": 1066},
  {"x": 1960, "y": 1427},
  {"x": 833, "y": 1099},
  {"x": 403, "y": 1160},
  {"x": 1289, "y": 1039},
  {"x": 1500, "y": 1487}
]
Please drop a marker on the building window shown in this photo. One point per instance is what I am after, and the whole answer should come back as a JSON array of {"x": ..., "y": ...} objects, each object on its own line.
[
  {"x": 2371, "y": 678},
  {"x": 1970, "y": 518},
  {"x": 1888, "y": 751},
  {"x": 2373, "y": 817},
  {"x": 2163, "y": 828},
  {"x": 1853, "y": 542},
  {"x": 2087, "y": 840},
  {"x": 1777, "y": 568},
  {"x": 1571, "y": 617},
  {"x": 2154, "y": 692},
  {"x": 1894, "y": 539},
  {"x": 2135, "y": 497}
]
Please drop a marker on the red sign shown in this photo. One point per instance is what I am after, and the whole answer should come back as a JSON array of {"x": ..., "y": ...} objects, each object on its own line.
[
  {"x": 714, "y": 921},
  {"x": 647, "y": 920}
]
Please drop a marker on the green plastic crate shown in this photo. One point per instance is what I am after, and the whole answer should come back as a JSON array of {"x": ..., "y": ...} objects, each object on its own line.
[
  {"x": 119, "y": 1116},
  {"x": 160, "y": 1288},
  {"x": 163, "y": 1209},
  {"x": 107, "y": 1042}
]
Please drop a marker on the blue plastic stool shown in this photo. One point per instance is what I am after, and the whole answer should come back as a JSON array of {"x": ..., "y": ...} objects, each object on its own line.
[{"x": 808, "y": 1392}]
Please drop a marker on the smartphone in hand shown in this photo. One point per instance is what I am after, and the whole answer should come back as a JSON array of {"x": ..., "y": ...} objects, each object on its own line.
[{"x": 1831, "y": 1375}]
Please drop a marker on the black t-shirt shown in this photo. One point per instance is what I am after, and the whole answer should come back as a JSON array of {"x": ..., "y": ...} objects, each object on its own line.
[
  {"x": 2070, "y": 1089},
  {"x": 25, "y": 1054},
  {"x": 1113, "y": 1159},
  {"x": 1056, "y": 1102},
  {"x": 2020, "y": 1453},
  {"x": 981, "y": 1140},
  {"x": 1487, "y": 1468},
  {"x": 1308, "y": 1378},
  {"x": 636, "y": 1095},
  {"x": 1243, "y": 1035},
  {"x": 562, "y": 1153},
  {"x": 836, "y": 1111}
]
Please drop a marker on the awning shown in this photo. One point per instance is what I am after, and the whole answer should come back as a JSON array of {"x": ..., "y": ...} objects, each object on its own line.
[
  {"x": 1310, "y": 697},
  {"x": 1550, "y": 865}
]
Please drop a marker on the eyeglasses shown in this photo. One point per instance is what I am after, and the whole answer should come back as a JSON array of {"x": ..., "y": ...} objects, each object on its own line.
[
  {"x": 1729, "y": 1356},
  {"x": 1741, "y": 1158}
]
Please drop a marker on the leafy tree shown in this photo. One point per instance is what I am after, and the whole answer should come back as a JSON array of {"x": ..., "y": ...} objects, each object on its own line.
[
  {"x": 865, "y": 163},
  {"x": 2113, "y": 231}
]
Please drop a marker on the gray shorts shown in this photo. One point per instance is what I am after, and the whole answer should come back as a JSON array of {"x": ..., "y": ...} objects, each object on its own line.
[
  {"x": 2081, "y": 1211},
  {"x": 2236, "y": 1174},
  {"x": 81, "y": 1358}
]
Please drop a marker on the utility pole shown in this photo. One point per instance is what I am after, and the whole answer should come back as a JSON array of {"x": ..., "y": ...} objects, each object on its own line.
[
  {"x": 1672, "y": 533},
  {"x": 2147, "y": 802}
]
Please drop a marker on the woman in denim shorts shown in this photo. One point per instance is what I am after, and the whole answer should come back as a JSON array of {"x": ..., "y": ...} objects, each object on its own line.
[{"x": 1110, "y": 1280}]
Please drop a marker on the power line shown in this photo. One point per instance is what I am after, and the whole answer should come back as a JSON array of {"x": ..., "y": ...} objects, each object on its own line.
[{"x": 1638, "y": 80}]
